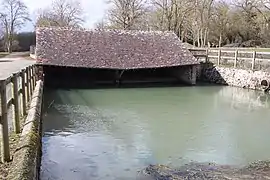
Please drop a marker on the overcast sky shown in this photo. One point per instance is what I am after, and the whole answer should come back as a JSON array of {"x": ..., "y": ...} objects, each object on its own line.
[{"x": 94, "y": 10}]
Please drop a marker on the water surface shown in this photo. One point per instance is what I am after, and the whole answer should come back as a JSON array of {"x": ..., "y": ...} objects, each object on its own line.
[{"x": 114, "y": 133}]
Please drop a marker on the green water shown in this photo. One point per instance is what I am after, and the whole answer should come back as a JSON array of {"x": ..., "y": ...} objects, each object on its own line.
[{"x": 114, "y": 133}]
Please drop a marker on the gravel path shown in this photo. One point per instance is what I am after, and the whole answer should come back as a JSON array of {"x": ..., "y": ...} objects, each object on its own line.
[{"x": 13, "y": 63}]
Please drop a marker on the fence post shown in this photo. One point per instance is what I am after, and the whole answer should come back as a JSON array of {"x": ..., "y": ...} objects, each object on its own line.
[
  {"x": 32, "y": 77},
  {"x": 16, "y": 120},
  {"x": 5, "y": 154},
  {"x": 206, "y": 55},
  {"x": 235, "y": 58},
  {"x": 22, "y": 73},
  {"x": 219, "y": 57},
  {"x": 30, "y": 82},
  {"x": 27, "y": 84},
  {"x": 253, "y": 60}
]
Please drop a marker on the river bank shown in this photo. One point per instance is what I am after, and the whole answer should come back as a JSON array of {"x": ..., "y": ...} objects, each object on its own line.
[
  {"x": 198, "y": 171},
  {"x": 236, "y": 77}
]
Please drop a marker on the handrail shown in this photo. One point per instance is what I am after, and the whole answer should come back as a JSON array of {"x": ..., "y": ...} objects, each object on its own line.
[{"x": 27, "y": 78}]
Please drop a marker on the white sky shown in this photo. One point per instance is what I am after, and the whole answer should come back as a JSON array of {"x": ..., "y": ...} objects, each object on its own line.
[{"x": 94, "y": 10}]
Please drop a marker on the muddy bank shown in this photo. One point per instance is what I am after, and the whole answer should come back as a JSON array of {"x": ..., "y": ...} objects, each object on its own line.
[{"x": 258, "y": 170}]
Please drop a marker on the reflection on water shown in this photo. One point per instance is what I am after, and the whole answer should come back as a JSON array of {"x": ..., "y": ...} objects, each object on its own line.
[{"x": 114, "y": 133}]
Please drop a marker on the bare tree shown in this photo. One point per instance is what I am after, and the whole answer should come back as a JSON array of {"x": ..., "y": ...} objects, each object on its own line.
[
  {"x": 62, "y": 13},
  {"x": 14, "y": 15},
  {"x": 173, "y": 15},
  {"x": 124, "y": 14},
  {"x": 220, "y": 21}
]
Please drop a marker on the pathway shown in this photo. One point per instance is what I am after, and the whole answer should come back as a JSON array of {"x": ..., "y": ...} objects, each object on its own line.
[{"x": 13, "y": 63}]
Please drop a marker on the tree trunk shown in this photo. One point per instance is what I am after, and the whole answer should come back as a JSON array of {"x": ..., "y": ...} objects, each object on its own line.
[
  {"x": 220, "y": 40},
  {"x": 10, "y": 43},
  {"x": 198, "y": 38}
]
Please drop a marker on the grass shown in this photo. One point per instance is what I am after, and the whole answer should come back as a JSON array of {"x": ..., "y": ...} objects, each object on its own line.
[
  {"x": 3, "y": 54},
  {"x": 4, "y": 167},
  {"x": 13, "y": 142}
]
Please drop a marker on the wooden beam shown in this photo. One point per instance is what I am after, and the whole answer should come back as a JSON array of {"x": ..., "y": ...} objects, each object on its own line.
[
  {"x": 235, "y": 58},
  {"x": 23, "y": 92},
  {"x": 253, "y": 60},
  {"x": 4, "y": 139},
  {"x": 16, "y": 120}
]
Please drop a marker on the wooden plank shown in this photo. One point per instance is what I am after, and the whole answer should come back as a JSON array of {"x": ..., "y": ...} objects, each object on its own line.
[
  {"x": 263, "y": 53},
  {"x": 212, "y": 56},
  {"x": 4, "y": 139},
  {"x": 16, "y": 120},
  {"x": 226, "y": 51},
  {"x": 199, "y": 55},
  {"x": 24, "y": 102},
  {"x": 245, "y": 52},
  {"x": 259, "y": 59},
  {"x": 213, "y": 50}
]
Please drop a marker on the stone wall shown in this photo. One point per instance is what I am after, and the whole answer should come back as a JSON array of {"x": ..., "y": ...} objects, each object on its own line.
[{"x": 234, "y": 77}]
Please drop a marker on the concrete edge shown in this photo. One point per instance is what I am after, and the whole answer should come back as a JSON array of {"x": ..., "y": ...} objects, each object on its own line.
[{"x": 26, "y": 160}]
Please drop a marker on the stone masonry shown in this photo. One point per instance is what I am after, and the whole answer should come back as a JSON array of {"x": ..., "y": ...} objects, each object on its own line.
[{"x": 235, "y": 77}]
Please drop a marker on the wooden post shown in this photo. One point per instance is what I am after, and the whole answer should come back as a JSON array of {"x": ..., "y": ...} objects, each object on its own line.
[
  {"x": 30, "y": 81},
  {"x": 27, "y": 84},
  {"x": 253, "y": 60},
  {"x": 219, "y": 57},
  {"x": 34, "y": 76},
  {"x": 23, "y": 92},
  {"x": 16, "y": 120},
  {"x": 206, "y": 55},
  {"x": 5, "y": 154},
  {"x": 235, "y": 58}
]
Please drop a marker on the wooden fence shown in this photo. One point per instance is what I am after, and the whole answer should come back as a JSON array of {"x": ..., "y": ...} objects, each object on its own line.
[
  {"x": 15, "y": 94},
  {"x": 237, "y": 58}
]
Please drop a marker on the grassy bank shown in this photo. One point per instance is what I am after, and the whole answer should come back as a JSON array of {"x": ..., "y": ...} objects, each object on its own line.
[
  {"x": 4, "y": 167},
  {"x": 13, "y": 142},
  {"x": 3, "y": 54}
]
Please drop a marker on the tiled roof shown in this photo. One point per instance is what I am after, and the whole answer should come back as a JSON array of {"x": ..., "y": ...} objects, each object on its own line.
[{"x": 114, "y": 49}]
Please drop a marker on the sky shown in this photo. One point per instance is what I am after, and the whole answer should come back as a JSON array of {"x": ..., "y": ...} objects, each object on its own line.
[{"x": 94, "y": 10}]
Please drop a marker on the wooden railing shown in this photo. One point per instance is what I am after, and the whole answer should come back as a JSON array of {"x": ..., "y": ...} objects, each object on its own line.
[
  {"x": 237, "y": 58},
  {"x": 15, "y": 94}
]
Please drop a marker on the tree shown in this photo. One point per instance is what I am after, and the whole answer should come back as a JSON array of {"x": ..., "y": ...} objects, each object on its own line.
[
  {"x": 14, "y": 15},
  {"x": 125, "y": 14},
  {"x": 220, "y": 22},
  {"x": 61, "y": 13}
]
